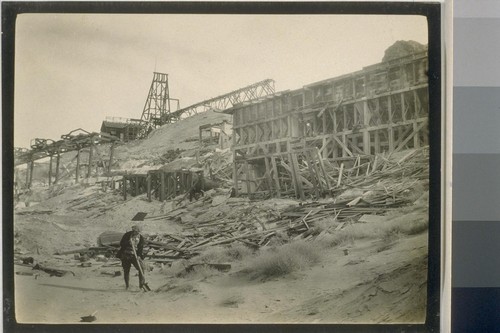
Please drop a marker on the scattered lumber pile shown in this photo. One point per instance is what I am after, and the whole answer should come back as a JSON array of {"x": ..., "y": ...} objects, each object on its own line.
[
  {"x": 388, "y": 184},
  {"x": 218, "y": 166},
  {"x": 395, "y": 171},
  {"x": 217, "y": 219}
]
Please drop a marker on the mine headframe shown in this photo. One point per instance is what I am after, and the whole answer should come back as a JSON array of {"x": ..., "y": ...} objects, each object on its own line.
[{"x": 158, "y": 104}]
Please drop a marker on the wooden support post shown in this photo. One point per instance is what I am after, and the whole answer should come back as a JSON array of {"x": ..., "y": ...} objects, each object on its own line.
[
  {"x": 77, "y": 169},
  {"x": 50, "y": 170},
  {"x": 416, "y": 136},
  {"x": 390, "y": 132},
  {"x": 366, "y": 133},
  {"x": 294, "y": 176},
  {"x": 124, "y": 187},
  {"x": 312, "y": 158},
  {"x": 58, "y": 160},
  {"x": 32, "y": 169},
  {"x": 340, "y": 174},
  {"x": 413, "y": 131},
  {"x": 89, "y": 169},
  {"x": 314, "y": 180},
  {"x": 403, "y": 111},
  {"x": 268, "y": 175},
  {"x": 168, "y": 185},
  {"x": 136, "y": 189},
  {"x": 174, "y": 184},
  {"x": 390, "y": 129},
  {"x": 296, "y": 172},
  {"x": 323, "y": 171},
  {"x": 28, "y": 174},
  {"x": 235, "y": 175},
  {"x": 162, "y": 186},
  {"x": 111, "y": 152},
  {"x": 376, "y": 134},
  {"x": 247, "y": 178},
  {"x": 276, "y": 177},
  {"x": 345, "y": 150}
]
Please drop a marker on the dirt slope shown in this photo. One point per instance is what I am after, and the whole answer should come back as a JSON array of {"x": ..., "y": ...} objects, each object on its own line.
[{"x": 356, "y": 272}]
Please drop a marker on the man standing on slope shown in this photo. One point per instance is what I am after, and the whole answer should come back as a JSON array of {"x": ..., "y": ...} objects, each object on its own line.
[{"x": 126, "y": 254}]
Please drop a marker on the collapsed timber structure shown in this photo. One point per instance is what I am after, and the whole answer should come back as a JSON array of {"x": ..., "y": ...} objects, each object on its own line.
[
  {"x": 77, "y": 140},
  {"x": 282, "y": 141}
]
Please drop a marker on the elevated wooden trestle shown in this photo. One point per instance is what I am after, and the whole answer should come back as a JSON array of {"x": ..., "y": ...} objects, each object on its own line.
[
  {"x": 160, "y": 184},
  {"x": 76, "y": 140},
  {"x": 382, "y": 108}
]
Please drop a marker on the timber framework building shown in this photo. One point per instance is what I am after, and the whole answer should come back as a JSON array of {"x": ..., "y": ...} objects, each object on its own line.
[{"x": 284, "y": 143}]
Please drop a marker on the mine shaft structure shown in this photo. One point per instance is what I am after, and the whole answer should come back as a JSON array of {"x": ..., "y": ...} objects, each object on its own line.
[
  {"x": 157, "y": 109},
  {"x": 381, "y": 108},
  {"x": 77, "y": 140}
]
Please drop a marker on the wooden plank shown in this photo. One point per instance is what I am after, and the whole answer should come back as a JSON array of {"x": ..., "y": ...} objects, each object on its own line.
[
  {"x": 58, "y": 162},
  {"x": 344, "y": 147},
  {"x": 315, "y": 168},
  {"x": 404, "y": 142},
  {"x": 124, "y": 186},
  {"x": 322, "y": 167},
  {"x": 148, "y": 185},
  {"x": 305, "y": 217},
  {"x": 162, "y": 186},
  {"x": 89, "y": 167},
  {"x": 50, "y": 171},
  {"x": 340, "y": 174},
  {"x": 136, "y": 189},
  {"x": 247, "y": 179},
  {"x": 235, "y": 172},
  {"x": 77, "y": 168},
  {"x": 268, "y": 174},
  {"x": 295, "y": 170},
  {"x": 314, "y": 179},
  {"x": 111, "y": 153},
  {"x": 276, "y": 176}
]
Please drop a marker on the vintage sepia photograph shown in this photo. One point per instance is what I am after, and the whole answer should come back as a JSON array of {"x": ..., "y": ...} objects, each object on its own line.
[{"x": 217, "y": 168}]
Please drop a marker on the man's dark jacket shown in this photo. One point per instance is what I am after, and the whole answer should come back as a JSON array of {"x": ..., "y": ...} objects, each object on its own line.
[{"x": 126, "y": 246}]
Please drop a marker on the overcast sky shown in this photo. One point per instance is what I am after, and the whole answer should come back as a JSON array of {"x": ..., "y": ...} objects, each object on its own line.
[{"x": 74, "y": 70}]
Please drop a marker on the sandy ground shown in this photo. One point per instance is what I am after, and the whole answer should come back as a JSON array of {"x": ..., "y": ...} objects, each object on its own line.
[{"x": 376, "y": 282}]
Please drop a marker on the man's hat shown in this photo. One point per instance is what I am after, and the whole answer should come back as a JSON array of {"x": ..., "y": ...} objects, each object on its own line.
[{"x": 137, "y": 228}]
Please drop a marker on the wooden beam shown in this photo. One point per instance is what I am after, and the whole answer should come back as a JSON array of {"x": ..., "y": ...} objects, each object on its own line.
[
  {"x": 247, "y": 178},
  {"x": 298, "y": 178},
  {"x": 175, "y": 184},
  {"x": 346, "y": 150},
  {"x": 340, "y": 174},
  {"x": 50, "y": 170},
  {"x": 276, "y": 176},
  {"x": 268, "y": 174},
  {"x": 111, "y": 153},
  {"x": 355, "y": 147},
  {"x": 323, "y": 171},
  {"x": 136, "y": 189},
  {"x": 416, "y": 137},
  {"x": 414, "y": 132},
  {"x": 58, "y": 159},
  {"x": 32, "y": 168},
  {"x": 148, "y": 186},
  {"x": 124, "y": 187},
  {"x": 90, "y": 161},
  {"x": 77, "y": 168},
  {"x": 162, "y": 186},
  {"x": 28, "y": 174}
]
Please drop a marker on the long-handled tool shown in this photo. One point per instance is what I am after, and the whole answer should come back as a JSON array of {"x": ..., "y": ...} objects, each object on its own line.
[{"x": 145, "y": 285}]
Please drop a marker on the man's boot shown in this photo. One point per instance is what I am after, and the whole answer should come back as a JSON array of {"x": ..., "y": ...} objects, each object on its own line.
[
  {"x": 126, "y": 277},
  {"x": 141, "y": 281}
]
